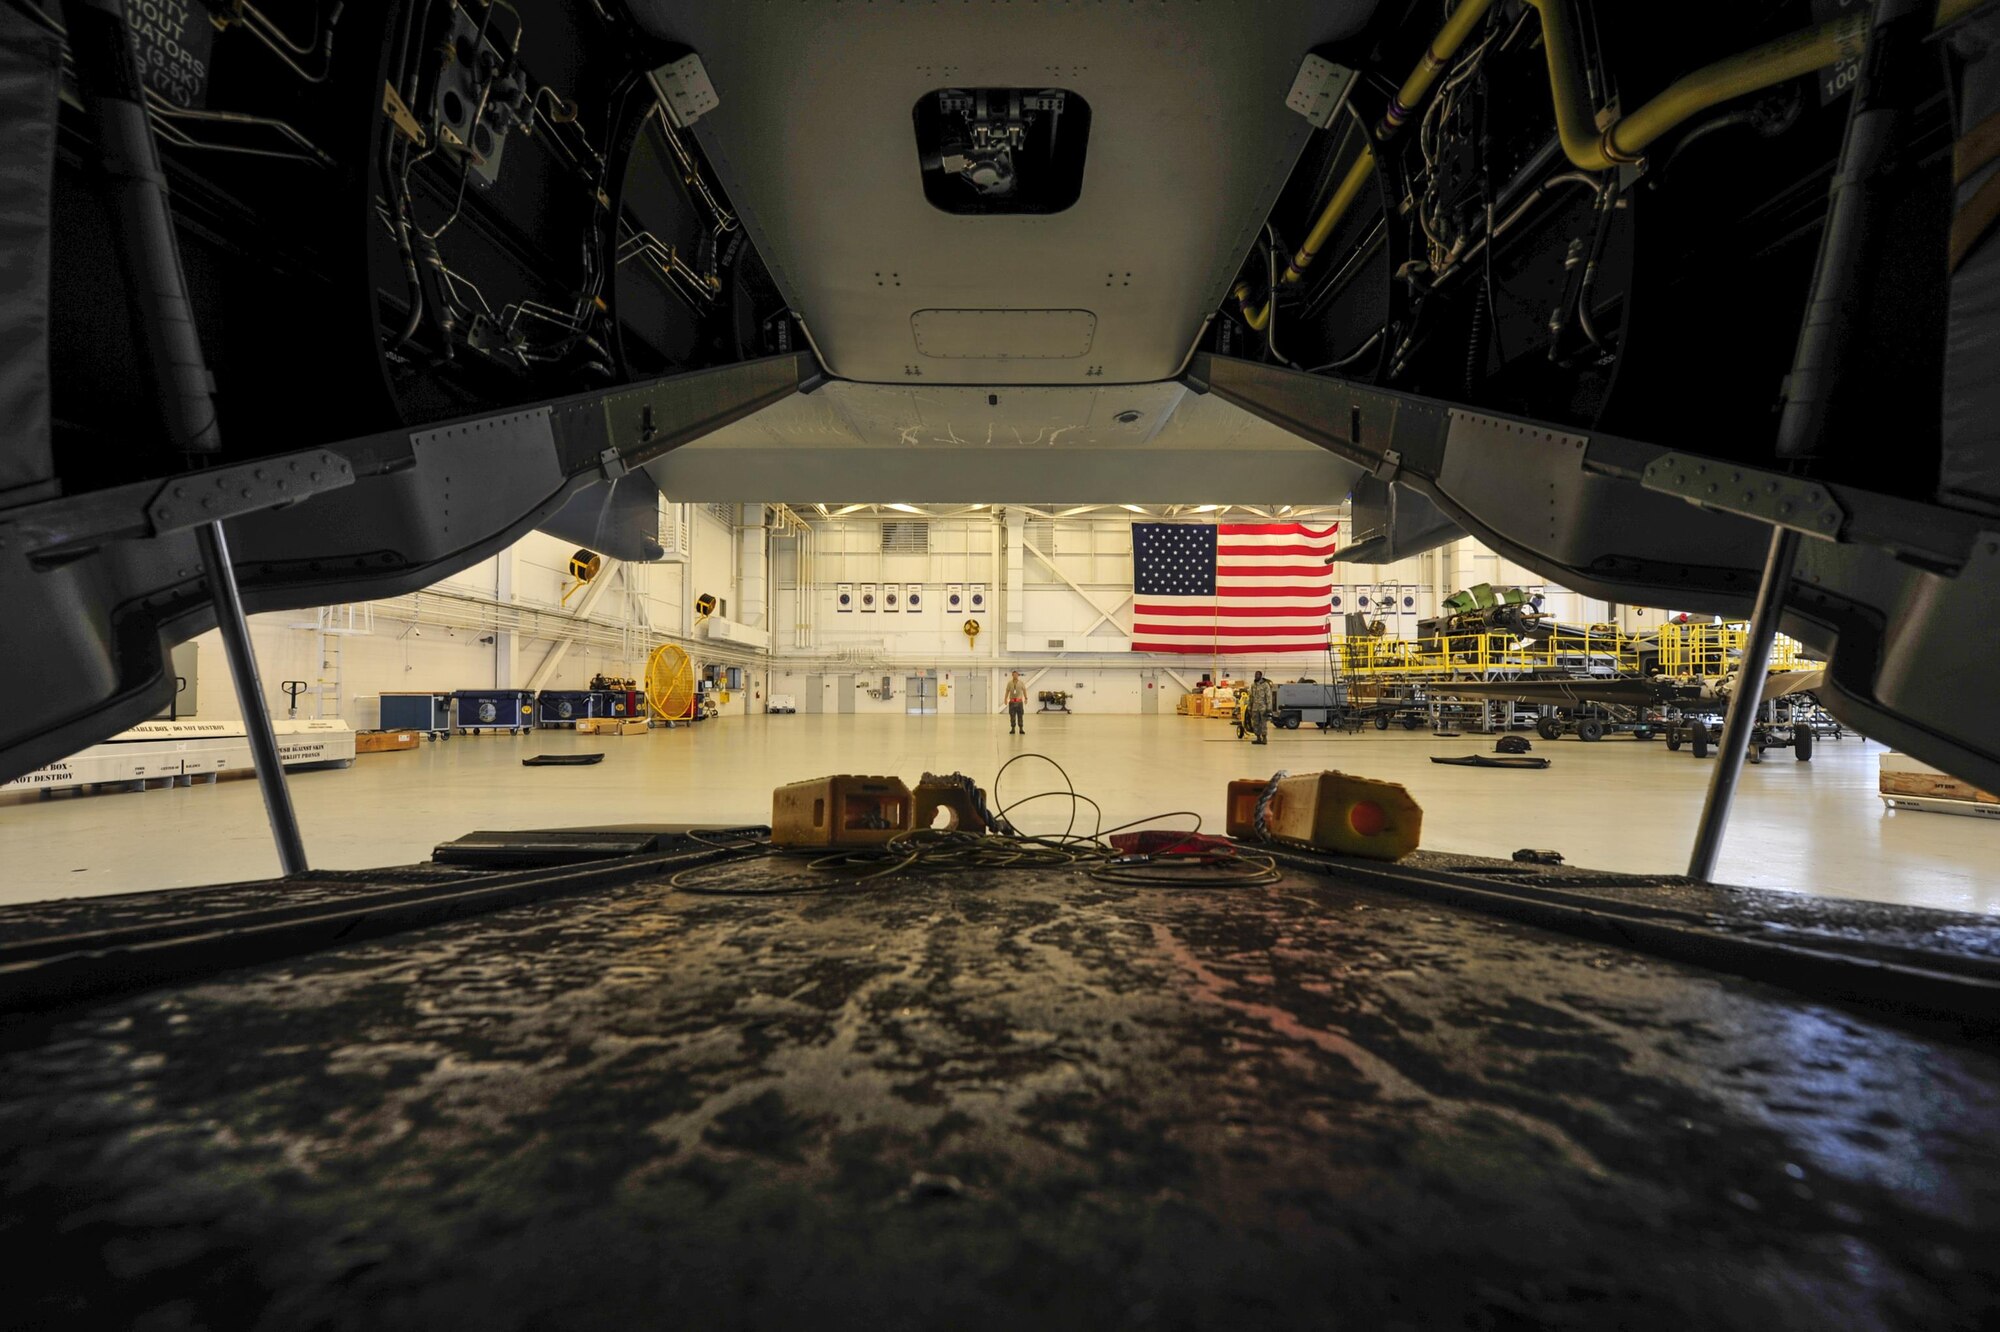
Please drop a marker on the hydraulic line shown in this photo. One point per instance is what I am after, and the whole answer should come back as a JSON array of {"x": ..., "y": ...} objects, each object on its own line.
[
  {"x": 1625, "y": 141},
  {"x": 1402, "y": 106},
  {"x": 1622, "y": 143}
]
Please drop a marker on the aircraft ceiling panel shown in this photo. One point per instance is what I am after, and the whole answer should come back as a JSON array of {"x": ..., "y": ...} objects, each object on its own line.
[
  {"x": 849, "y": 416},
  {"x": 1190, "y": 142}
]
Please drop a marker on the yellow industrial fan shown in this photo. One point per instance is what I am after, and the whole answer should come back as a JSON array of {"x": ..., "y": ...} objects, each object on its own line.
[{"x": 669, "y": 683}]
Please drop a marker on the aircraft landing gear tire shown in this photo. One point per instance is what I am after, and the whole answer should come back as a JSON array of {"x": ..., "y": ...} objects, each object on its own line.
[
  {"x": 1802, "y": 744},
  {"x": 1700, "y": 734},
  {"x": 1590, "y": 729},
  {"x": 1548, "y": 728}
]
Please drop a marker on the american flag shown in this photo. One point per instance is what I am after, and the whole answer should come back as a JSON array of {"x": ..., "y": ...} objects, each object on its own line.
[{"x": 1201, "y": 588}]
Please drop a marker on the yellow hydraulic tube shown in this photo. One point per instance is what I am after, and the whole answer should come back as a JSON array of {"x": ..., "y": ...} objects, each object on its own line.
[
  {"x": 1626, "y": 140},
  {"x": 1336, "y": 208},
  {"x": 1436, "y": 56}
]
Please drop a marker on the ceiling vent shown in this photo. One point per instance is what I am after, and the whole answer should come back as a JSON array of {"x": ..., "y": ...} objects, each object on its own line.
[{"x": 906, "y": 538}]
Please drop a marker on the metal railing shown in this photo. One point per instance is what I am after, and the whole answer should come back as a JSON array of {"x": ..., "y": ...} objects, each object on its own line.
[
  {"x": 1715, "y": 649},
  {"x": 1595, "y": 650}
]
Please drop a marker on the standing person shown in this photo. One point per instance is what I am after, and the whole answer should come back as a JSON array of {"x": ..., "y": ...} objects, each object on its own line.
[
  {"x": 1263, "y": 700},
  {"x": 1017, "y": 705}
]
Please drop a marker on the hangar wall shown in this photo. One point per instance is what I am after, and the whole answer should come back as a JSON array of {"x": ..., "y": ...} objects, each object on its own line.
[
  {"x": 491, "y": 625},
  {"x": 1057, "y": 607}
]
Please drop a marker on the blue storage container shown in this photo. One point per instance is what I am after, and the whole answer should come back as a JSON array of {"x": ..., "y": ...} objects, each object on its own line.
[
  {"x": 567, "y": 707},
  {"x": 495, "y": 709},
  {"x": 426, "y": 712},
  {"x": 621, "y": 702}
]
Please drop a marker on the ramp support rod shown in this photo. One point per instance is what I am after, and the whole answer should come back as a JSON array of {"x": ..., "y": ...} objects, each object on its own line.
[{"x": 1745, "y": 701}]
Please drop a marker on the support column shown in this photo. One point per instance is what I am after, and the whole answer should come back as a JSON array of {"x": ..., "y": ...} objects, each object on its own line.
[
  {"x": 1015, "y": 597},
  {"x": 506, "y": 643},
  {"x": 752, "y": 584},
  {"x": 996, "y": 643}
]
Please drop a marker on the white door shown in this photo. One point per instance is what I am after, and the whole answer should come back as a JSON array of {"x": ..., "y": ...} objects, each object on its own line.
[
  {"x": 1149, "y": 693},
  {"x": 815, "y": 700},
  {"x": 843, "y": 688},
  {"x": 971, "y": 689}
]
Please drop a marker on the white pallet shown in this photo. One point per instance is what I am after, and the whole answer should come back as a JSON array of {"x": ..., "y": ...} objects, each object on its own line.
[
  {"x": 1978, "y": 809},
  {"x": 155, "y": 750}
]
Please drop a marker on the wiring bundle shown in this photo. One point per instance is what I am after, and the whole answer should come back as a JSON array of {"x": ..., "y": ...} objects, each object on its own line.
[{"x": 1191, "y": 861}]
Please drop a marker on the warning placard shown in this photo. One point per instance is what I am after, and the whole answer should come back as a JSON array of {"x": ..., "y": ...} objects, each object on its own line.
[
  {"x": 1835, "y": 80},
  {"x": 174, "y": 38}
]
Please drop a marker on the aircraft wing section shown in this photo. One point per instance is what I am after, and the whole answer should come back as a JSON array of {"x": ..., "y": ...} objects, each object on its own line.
[{"x": 1781, "y": 683}]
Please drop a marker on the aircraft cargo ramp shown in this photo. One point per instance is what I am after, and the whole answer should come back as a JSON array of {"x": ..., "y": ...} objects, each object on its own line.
[{"x": 1360, "y": 1096}]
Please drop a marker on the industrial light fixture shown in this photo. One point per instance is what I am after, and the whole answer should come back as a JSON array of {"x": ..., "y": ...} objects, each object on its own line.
[
  {"x": 1133, "y": 507},
  {"x": 903, "y": 508},
  {"x": 1206, "y": 508}
]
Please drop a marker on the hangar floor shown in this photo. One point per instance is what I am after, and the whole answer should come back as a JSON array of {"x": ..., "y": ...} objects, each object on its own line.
[{"x": 1615, "y": 805}]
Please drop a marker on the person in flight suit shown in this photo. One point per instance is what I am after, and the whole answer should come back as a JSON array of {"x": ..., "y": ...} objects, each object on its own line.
[
  {"x": 1263, "y": 701},
  {"x": 1017, "y": 705}
]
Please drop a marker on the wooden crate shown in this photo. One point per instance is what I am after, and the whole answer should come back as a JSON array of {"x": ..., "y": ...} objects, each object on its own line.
[
  {"x": 385, "y": 742},
  {"x": 1902, "y": 775},
  {"x": 1934, "y": 785},
  {"x": 611, "y": 726}
]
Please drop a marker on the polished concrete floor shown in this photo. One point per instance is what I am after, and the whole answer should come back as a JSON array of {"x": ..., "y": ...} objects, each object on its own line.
[{"x": 1617, "y": 804}]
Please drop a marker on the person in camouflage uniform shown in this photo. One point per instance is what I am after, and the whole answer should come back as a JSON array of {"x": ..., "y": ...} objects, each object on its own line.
[{"x": 1262, "y": 703}]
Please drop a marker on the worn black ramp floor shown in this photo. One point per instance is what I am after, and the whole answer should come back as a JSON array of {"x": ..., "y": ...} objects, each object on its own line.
[{"x": 1005, "y": 1101}]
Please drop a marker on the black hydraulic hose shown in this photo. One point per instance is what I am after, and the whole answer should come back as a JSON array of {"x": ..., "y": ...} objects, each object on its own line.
[
  {"x": 1475, "y": 347},
  {"x": 1607, "y": 203},
  {"x": 405, "y": 248},
  {"x": 114, "y": 97},
  {"x": 432, "y": 273}
]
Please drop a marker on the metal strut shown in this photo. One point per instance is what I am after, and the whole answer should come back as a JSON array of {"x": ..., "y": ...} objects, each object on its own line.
[
  {"x": 135, "y": 190},
  {"x": 1829, "y": 343},
  {"x": 1745, "y": 700},
  {"x": 229, "y": 618}
]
